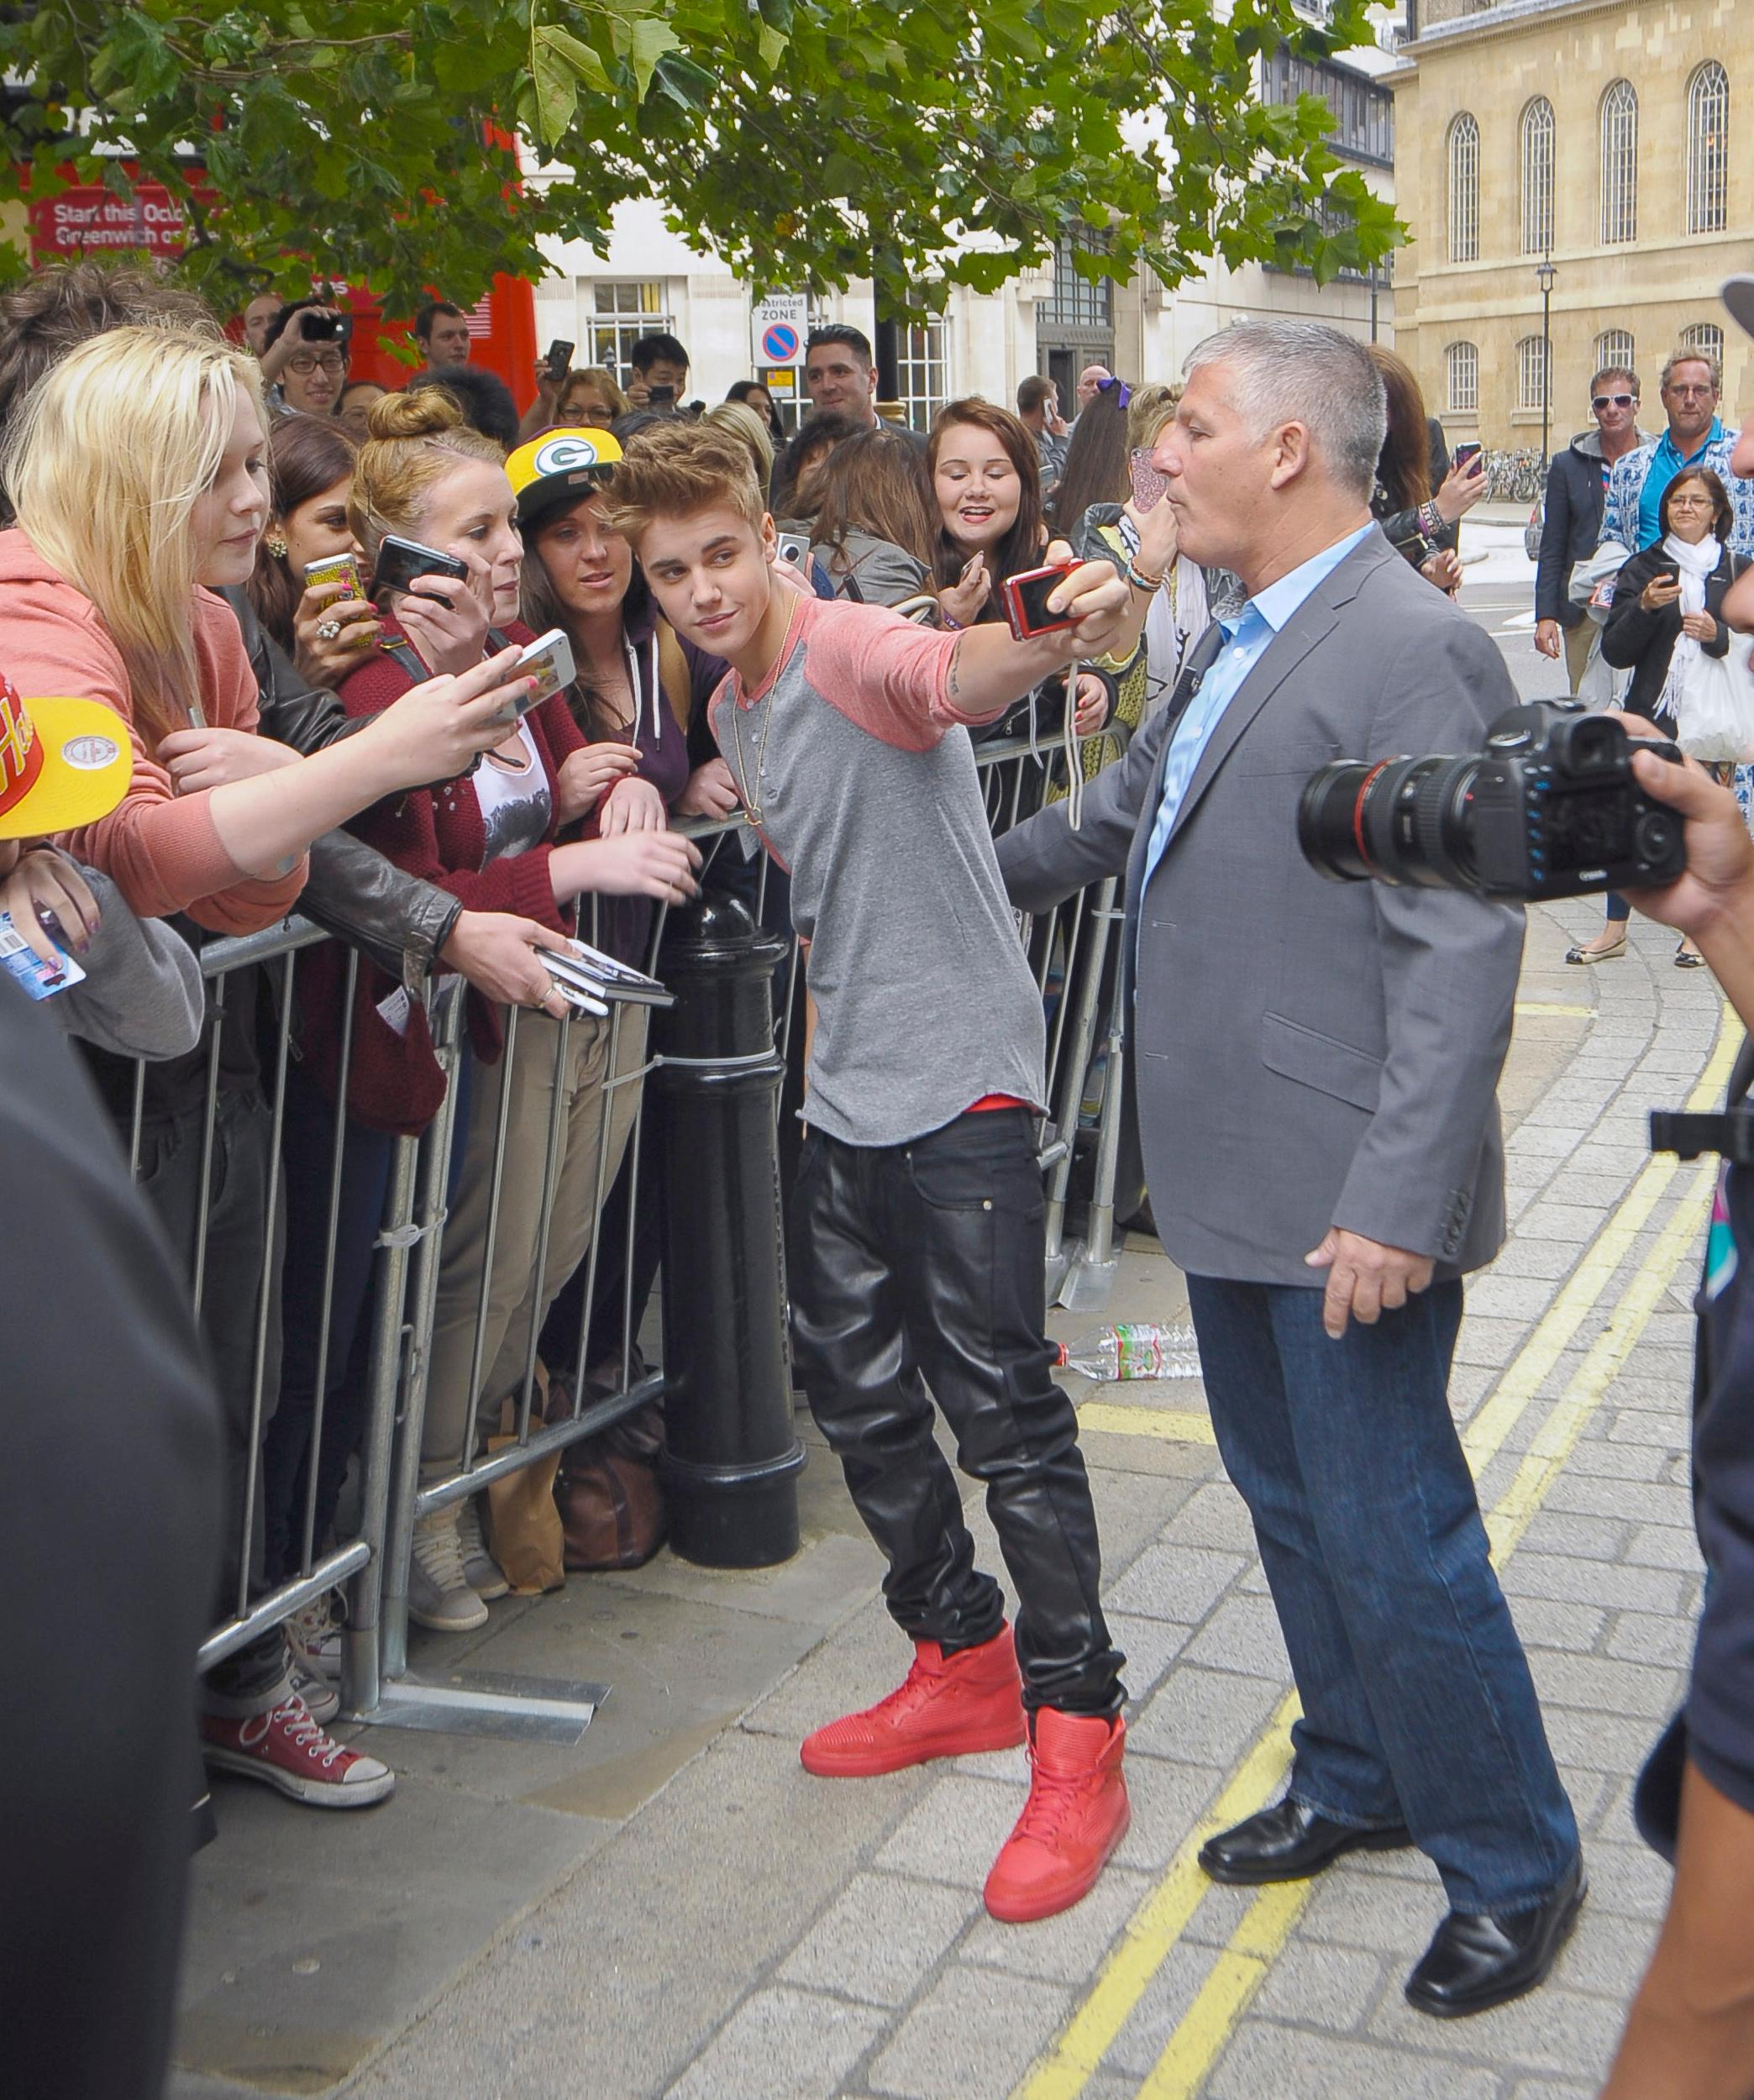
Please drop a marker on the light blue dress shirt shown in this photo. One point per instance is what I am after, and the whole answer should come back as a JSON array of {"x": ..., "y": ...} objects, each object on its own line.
[{"x": 1259, "y": 621}]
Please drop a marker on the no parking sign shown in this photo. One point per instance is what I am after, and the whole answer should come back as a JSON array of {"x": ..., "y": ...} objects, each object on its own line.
[{"x": 778, "y": 325}]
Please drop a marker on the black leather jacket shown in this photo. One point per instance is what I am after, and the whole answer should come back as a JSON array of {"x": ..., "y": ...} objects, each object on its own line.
[{"x": 398, "y": 920}]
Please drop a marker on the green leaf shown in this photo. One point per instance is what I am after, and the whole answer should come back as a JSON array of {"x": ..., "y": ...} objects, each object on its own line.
[
  {"x": 649, "y": 41},
  {"x": 585, "y": 61}
]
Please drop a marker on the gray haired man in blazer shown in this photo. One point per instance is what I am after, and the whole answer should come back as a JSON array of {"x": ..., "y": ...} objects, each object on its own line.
[{"x": 1316, "y": 1065}]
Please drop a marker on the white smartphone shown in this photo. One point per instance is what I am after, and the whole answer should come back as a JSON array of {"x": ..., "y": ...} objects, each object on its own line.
[{"x": 549, "y": 659}]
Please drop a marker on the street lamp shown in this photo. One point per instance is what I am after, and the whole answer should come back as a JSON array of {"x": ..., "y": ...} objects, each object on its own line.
[{"x": 1545, "y": 273}]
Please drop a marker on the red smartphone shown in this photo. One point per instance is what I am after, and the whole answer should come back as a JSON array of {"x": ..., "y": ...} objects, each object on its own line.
[
  {"x": 1149, "y": 487},
  {"x": 1025, "y": 599}
]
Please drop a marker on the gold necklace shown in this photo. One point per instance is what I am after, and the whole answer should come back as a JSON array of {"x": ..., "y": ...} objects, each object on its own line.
[{"x": 752, "y": 804}]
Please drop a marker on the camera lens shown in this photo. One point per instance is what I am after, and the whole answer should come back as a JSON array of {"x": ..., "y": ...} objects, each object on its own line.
[{"x": 1403, "y": 821}]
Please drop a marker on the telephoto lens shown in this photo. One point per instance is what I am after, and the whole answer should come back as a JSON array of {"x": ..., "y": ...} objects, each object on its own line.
[{"x": 1400, "y": 820}]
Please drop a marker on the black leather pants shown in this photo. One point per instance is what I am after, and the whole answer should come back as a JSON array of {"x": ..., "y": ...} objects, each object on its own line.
[{"x": 920, "y": 1265}]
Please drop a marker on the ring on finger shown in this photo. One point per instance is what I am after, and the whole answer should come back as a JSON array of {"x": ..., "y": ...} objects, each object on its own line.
[{"x": 328, "y": 630}]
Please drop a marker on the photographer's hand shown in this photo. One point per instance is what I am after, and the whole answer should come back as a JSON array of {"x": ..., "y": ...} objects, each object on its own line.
[{"x": 1366, "y": 1278}]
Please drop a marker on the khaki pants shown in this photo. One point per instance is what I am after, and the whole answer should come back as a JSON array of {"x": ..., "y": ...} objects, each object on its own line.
[
  {"x": 594, "y": 1121},
  {"x": 1578, "y": 640}
]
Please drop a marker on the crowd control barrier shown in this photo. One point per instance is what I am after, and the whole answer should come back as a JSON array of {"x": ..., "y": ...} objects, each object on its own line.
[{"x": 512, "y": 1181}]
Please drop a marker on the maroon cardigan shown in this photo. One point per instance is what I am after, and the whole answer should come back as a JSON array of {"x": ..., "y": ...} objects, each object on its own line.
[{"x": 395, "y": 1083}]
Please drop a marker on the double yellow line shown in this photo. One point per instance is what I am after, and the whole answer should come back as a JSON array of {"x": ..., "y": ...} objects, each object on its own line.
[{"x": 1242, "y": 1967}]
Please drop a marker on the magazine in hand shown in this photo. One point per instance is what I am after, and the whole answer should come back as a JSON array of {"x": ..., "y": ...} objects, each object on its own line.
[
  {"x": 588, "y": 977},
  {"x": 28, "y": 969}
]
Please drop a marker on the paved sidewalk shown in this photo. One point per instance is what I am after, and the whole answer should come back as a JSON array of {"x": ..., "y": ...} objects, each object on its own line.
[{"x": 676, "y": 1911}]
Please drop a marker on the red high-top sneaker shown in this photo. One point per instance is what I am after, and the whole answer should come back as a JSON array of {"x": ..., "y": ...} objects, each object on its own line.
[
  {"x": 1076, "y": 1814},
  {"x": 946, "y": 1706}
]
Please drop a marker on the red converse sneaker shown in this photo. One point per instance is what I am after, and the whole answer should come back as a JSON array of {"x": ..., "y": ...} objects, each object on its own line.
[
  {"x": 1076, "y": 1814},
  {"x": 286, "y": 1748},
  {"x": 946, "y": 1706}
]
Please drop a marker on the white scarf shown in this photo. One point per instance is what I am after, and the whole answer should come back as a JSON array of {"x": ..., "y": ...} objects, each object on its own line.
[{"x": 1695, "y": 563}]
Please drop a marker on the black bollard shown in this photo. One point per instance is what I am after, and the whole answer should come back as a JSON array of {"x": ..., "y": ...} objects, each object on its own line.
[{"x": 731, "y": 1471}]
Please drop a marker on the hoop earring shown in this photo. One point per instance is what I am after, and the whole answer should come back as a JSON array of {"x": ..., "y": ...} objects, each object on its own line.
[{"x": 277, "y": 545}]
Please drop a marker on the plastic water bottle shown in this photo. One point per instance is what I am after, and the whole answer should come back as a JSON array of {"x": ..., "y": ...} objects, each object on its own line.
[{"x": 1139, "y": 1350}]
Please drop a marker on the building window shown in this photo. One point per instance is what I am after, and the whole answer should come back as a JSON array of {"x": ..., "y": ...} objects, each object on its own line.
[
  {"x": 1533, "y": 368},
  {"x": 922, "y": 369},
  {"x": 1364, "y": 112},
  {"x": 1707, "y": 337},
  {"x": 1707, "y": 150},
  {"x": 1461, "y": 372},
  {"x": 1613, "y": 349},
  {"x": 1537, "y": 177},
  {"x": 1464, "y": 189},
  {"x": 1076, "y": 301},
  {"x": 621, "y": 314},
  {"x": 1620, "y": 163}
]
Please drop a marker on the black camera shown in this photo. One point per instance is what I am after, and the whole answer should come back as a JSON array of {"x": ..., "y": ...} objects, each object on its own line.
[{"x": 1548, "y": 809}]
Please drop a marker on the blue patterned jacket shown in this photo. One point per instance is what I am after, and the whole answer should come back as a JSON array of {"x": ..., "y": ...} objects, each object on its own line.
[{"x": 1626, "y": 486}]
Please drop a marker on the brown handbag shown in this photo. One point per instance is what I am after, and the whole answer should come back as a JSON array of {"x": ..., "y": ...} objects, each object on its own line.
[{"x": 612, "y": 1510}]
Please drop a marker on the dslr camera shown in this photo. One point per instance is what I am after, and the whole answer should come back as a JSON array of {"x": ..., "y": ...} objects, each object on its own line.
[{"x": 1549, "y": 809}]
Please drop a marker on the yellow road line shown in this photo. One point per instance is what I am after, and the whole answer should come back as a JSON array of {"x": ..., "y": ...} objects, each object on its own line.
[
  {"x": 1544, "y": 1006},
  {"x": 1159, "y": 1922},
  {"x": 1170, "y": 1426}
]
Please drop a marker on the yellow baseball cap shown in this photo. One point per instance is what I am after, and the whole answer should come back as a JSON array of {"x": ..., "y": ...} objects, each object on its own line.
[
  {"x": 63, "y": 762},
  {"x": 559, "y": 467}
]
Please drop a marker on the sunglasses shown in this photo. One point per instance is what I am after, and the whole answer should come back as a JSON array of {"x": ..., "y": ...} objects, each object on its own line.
[{"x": 1613, "y": 401}]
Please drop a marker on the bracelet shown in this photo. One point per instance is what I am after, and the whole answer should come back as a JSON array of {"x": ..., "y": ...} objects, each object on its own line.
[
  {"x": 1431, "y": 519},
  {"x": 1140, "y": 581}
]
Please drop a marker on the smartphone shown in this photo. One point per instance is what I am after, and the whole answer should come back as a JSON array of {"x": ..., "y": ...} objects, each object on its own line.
[
  {"x": 1149, "y": 487},
  {"x": 795, "y": 548},
  {"x": 559, "y": 359},
  {"x": 400, "y": 561},
  {"x": 1025, "y": 598},
  {"x": 1667, "y": 572},
  {"x": 1467, "y": 452},
  {"x": 338, "y": 568},
  {"x": 549, "y": 659},
  {"x": 662, "y": 397},
  {"x": 325, "y": 327}
]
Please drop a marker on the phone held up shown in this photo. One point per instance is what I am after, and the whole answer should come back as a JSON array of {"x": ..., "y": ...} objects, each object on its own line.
[
  {"x": 1149, "y": 487},
  {"x": 325, "y": 327},
  {"x": 1466, "y": 454},
  {"x": 559, "y": 359},
  {"x": 549, "y": 659},
  {"x": 1025, "y": 598},
  {"x": 400, "y": 561},
  {"x": 337, "y": 568}
]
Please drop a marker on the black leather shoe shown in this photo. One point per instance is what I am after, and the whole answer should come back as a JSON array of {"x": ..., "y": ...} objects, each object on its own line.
[
  {"x": 1476, "y": 1960},
  {"x": 1289, "y": 1843}
]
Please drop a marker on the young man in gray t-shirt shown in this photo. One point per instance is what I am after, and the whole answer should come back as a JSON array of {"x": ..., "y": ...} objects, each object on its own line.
[{"x": 918, "y": 1247}]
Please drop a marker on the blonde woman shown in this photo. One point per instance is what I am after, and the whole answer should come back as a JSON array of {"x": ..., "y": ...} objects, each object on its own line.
[
  {"x": 750, "y": 427},
  {"x": 136, "y": 470},
  {"x": 498, "y": 841}
]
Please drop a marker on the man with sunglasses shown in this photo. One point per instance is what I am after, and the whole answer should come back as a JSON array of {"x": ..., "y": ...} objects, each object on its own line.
[
  {"x": 1695, "y": 438},
  {"x": 1577, "y": 485}
]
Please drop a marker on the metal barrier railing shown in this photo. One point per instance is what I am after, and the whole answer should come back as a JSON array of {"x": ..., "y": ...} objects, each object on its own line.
[{"x": 387, "y": 1359}]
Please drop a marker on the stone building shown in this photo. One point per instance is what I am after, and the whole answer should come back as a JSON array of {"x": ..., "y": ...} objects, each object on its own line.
[{"x": 1589, "y": 141}]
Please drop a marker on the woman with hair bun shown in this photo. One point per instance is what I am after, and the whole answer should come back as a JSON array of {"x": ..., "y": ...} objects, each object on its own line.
[{"x": 494, "y": 839}]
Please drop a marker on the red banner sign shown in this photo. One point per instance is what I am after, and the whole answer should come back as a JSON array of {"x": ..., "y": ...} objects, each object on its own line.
[{"x": 93, "y": 219}]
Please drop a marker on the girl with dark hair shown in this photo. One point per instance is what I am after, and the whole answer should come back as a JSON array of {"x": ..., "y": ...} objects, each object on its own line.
[
  {"x": 874, "y": 525},
  {"x": 752, "y": 394},
  {"x": 986, "y": 481},
  {"x": 795, "y": 478},
  {"x": 327, "y": 628},
  {"x": 1096, "y": 459},
  {"x": 1414, "y": 460}
]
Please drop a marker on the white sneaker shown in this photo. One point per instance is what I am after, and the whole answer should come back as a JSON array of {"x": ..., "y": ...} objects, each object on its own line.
[
  {"x": 323, "y": 1700},
  {"x": 480, "y": 1571},
  {"x": 439, "y": 1595},
  {"x": 314, "y": 1636}
]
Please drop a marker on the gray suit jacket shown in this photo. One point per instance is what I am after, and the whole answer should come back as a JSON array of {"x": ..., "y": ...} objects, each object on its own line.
[{"x": 1306, "y": 1052}]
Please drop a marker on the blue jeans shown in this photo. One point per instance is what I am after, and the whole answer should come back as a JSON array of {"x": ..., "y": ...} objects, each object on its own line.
[{"x": 1418, "y": 1704}]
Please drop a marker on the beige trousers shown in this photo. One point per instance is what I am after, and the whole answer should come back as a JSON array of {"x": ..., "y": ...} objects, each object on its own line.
[
  {"x": 590, "y": 1133},
  {"x": 1578, "y": 640}
]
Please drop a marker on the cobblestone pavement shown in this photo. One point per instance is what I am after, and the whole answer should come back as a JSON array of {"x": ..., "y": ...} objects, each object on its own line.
[{"x": 745, "y": 1933}]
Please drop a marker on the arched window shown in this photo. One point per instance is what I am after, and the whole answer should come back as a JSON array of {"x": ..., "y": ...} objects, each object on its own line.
[
  {"x": 1707, "y": 337},
  {"x": 1537, "y": 177},
  {"x": 1462, "y": 376},
  {"x": 1464, "y": 189},
  {"x": 1707, "y": 150},
  {"x": 1620, "y": 163},
  {"x": 1532, "y": 366},
  {"x": 1614, "y": 349}
]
